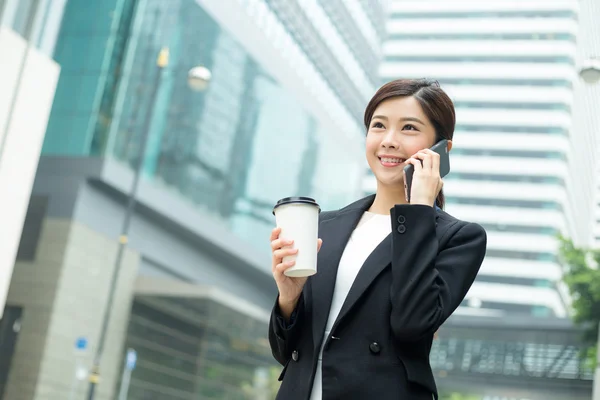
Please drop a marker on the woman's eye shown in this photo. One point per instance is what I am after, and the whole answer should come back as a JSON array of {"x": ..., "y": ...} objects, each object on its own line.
[
  {"x": 377, "y": 125},
  {"x": 409, "y": 127}
]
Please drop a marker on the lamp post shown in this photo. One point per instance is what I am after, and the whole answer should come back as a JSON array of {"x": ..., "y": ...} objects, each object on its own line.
[
  {"x": 590, "y": 73},
  {"x": 198, "y": 79},
  {"x": 596, "y": 387},
  {"x": 590, "y": 70}
]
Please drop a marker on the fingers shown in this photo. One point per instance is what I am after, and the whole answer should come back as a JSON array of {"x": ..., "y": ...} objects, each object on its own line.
[
  {"x": 281, "y": 249},
  {"x": 275, "y": 234},
  {"x": 435, "y": 161},
  {"x": 415, "y": 162},
  {"x": 281, "y": 253},
  {"x": 430, "y": 161},
  {"x": 280, "y": 268},
  {"x": 425, "y": 158},
  {"x": 279, "y": 243}
]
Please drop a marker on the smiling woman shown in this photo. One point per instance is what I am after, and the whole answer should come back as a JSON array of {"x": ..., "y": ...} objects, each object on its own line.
[
  {"x": 390, "y": 272},
  {"x": 404, "y": 117}
]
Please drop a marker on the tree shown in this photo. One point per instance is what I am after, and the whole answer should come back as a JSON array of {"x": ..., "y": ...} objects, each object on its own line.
[
  {"x": 265, "y": 391},
  {"x": 582, "y": 277}
]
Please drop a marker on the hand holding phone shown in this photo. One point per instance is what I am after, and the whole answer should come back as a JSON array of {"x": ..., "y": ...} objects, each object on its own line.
[{"x": 440, "y": 148}]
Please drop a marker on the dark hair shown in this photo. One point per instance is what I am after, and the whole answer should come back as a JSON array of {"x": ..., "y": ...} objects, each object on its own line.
[{"x": 435, "y": 103}]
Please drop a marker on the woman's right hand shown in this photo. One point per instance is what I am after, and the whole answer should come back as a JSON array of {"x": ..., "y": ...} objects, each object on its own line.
[{"x": 289, "y": 288}]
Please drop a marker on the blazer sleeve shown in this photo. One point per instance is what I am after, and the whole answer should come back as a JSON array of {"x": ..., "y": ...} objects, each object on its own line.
[
  {"x": 429, "y": 282},
  {"x": 283, "y": 335}
]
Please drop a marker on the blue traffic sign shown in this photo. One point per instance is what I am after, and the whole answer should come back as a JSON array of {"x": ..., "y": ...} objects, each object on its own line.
[
  {"x": 81, "y": 343},
  {"x": 131, "y": 359}
]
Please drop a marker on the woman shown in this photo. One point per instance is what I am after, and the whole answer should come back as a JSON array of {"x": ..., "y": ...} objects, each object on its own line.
[{"x": 389, "y": 273}]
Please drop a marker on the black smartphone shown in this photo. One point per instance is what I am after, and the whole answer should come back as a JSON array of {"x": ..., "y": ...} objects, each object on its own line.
[{"x": 441, "y": 148}]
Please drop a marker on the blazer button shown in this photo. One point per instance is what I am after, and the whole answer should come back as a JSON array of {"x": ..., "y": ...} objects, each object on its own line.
[
  {"x": 375, "y": 348},
  {"x": 401, "y": 228},
  {"x": 295, "y": 355},
  {"x": 401, "y": 219}
]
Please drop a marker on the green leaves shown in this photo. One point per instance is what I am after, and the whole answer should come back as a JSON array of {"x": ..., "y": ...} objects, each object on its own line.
[{"x": 582, "y": 277}]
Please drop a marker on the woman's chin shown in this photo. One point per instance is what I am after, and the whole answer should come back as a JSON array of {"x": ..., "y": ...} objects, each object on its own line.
[{"x": 391, "y": 183}]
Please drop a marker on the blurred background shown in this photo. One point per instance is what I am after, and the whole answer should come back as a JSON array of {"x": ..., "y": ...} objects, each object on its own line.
[{"x": 143, "y": 144}]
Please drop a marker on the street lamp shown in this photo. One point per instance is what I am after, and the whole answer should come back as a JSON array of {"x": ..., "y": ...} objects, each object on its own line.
[
  {"x": 590, "y": 73},
  {"x": 198, "y": 79},
  {"x": 590, "y": 70}
]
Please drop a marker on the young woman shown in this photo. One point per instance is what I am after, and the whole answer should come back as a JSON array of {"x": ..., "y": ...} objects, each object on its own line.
[{"x": 389, "y": 273}]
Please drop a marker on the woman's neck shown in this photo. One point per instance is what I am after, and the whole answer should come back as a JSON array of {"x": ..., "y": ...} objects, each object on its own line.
[{"x": 386, "y": 198}]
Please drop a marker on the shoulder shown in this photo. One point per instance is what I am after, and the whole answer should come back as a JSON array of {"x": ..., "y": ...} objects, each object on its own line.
[
  {"x": 325, "y": 215},
  {"x": 359, "y": 205},
  {"x": 450, "y": 226},
  {"x": 330, "y": 214}
]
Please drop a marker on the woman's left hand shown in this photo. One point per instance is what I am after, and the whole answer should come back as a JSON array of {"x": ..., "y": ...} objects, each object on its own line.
[{"x": 426, "y": 183}]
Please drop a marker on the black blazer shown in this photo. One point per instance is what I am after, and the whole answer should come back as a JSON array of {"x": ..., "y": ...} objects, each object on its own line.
[{"x": 380, "y": 342}]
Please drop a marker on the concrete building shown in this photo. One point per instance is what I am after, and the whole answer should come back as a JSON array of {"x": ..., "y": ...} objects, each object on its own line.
[
  {"x": 522, "y": 162},
  {"x": 289, "y": 83},
  {"x": 596, "y": 234},
  {"x": 586, "y": 123},
  {"x": 28, "y": 78}
]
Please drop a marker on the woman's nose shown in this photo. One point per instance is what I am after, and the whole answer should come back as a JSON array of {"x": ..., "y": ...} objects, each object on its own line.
[{"x": 389, "y": 140}]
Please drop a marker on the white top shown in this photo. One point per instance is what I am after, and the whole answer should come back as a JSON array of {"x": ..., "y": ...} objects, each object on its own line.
[{"x": 367, "y": 235}]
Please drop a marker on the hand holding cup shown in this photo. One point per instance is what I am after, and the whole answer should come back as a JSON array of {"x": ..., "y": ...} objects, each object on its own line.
[
  {"x": 293, "y": 247},
  {"x": 289, "y": 287}
]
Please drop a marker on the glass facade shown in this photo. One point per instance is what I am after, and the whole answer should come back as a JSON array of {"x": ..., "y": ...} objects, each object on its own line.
[
  {"x": 198, "y": 348},
  {"x": 233, "y": 149},
  {"x": 37, "y": 21}
]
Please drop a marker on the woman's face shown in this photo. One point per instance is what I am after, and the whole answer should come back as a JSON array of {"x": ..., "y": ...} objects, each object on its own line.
[{"x": 398, "y": 129}]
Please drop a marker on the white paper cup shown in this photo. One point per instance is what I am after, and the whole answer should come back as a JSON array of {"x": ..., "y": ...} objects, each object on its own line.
[{"x": 298, "y": 218}]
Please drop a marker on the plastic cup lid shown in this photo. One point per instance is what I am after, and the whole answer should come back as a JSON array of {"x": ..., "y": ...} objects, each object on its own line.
[{"x": 296, "y": 200}]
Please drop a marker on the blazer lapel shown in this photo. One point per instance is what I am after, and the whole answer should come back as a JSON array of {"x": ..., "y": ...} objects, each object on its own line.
[
  {"x": 377, "y": 261},
  {"x": 335, "y": 233}
]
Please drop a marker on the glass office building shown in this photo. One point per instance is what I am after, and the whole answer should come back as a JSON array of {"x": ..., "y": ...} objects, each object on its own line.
[
  {"x": 280, "y": 117},
  {"x": 233, "y": 149},
  {"x": 511, "y": 69}
]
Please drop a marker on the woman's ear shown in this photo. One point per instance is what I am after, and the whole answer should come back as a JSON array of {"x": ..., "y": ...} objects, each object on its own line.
[{"x": 449, "y": 145}]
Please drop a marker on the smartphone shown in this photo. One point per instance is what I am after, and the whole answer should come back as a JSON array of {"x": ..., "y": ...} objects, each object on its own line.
[{"x": 441, "y": 148}]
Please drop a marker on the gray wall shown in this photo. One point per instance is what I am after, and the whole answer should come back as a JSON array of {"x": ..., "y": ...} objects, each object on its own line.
[
  {"x": 65, "y": 262},
  {"x": 63, "y": 293}
]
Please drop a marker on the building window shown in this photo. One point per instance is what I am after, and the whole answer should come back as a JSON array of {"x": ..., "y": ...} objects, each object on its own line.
[
  {"x": 487, "y": 14},
  {"x": 545, "y": 205},
  {"x": 540, "y": 311},
  {"x": 541, "y": 230},
  {"x": 551, "y": 155},
  {"x": 483, "y": 36},
  {"x": 24, "y": 17},
  {"x": 522, "y": 255},
  {"x": 513, "y": 106},
  {"x": 552, "y": 180},
  {"x": 552, "y": 130},
  {"x": 508, "y": 82},
  {"x": 510, "y": 280},
  {"x": 483, "y": 59}
]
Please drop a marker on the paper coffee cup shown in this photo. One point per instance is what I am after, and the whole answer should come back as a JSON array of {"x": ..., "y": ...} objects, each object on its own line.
[{"x": 298, "y": 218}]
